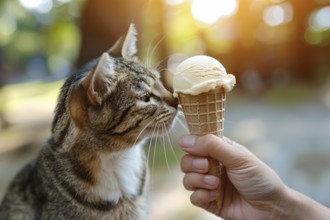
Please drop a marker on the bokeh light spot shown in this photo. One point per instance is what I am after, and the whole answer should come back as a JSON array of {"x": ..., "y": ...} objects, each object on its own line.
[
  {"x": 41, "y": 6},
  {"x": 63, "y": 1},
  {"x": 30, "y": 4},
  {"x": 273, "y": 15},
  {"x": 210, "y": 11},
  {"x": 278, "y": 14},
  {"x": 8, "y": 26},
  {"x": 320, "y": 20}
]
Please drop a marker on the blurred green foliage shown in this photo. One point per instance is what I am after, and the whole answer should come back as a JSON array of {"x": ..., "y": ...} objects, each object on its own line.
[
  {"x": 251, "y": 36},
  {"x": 27, "y": 32}
]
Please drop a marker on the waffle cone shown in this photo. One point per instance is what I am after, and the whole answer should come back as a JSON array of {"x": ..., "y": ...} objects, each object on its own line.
[{"x": 205, "y": 114}]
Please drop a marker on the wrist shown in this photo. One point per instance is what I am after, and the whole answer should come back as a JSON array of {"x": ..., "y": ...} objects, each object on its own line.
[
  {"x": 284, "y": 205},
  {"x": 296, "y": 205}
]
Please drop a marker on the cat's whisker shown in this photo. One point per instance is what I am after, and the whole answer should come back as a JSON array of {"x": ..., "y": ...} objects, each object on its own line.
[
  {"x": 180, "y": 112},
  {"x": 154, "y": 156},
  {"x": 144, "y": 128},
  {"x": 148, "y": 61},
  {"x": 173, "y": 133},
  {"x": 157, "y": 44},
  {"x": 181, "y": 116},
  {"x": 164, "y": 146},
  {"x": 161, "y": 70},
  {"x": 149, "y": 152},
  {"x": 171, "y": 146},
  {"x": 183, "y": 124},
  {"x": 151, "y": 140},
  {"x": 159, "y": 63},
  {"x": 147, "y": 57}
]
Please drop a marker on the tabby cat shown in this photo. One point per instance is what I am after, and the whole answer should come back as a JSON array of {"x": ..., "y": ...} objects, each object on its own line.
[{"x": 93, "y": 166}]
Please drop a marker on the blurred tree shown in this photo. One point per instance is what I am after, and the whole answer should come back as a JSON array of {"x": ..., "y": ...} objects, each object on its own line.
[
  {"x": 32, "y": 40},
  {"x": 245, "y": 51},
  {"x": 300, "y": 50},
  {"x": 102, "y": 22},
  {"x": 259, "y": 46}
]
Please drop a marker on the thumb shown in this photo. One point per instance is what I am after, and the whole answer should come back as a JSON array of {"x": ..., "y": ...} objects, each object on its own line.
[{"x": 227, "y": 152}]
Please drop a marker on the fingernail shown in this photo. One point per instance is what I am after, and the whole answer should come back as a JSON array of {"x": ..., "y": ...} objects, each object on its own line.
[
  {"x": 187, "y": 141},
  {"x": 211, "y": 180},
  {"x": 200, "y": 164}
]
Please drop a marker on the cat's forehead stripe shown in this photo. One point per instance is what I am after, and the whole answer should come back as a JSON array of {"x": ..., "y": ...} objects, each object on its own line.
[{"x": 137, "y": 70}]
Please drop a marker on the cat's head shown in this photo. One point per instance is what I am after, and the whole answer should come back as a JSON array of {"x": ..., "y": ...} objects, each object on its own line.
[{"x": 116, "y": 96}]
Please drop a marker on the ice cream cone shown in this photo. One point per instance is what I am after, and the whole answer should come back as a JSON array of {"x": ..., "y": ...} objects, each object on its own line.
[
  {"x": 204, "y": 114},
  {"x": 201, "y": 83}
]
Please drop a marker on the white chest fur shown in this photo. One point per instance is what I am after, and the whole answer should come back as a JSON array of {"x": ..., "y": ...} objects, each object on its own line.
[{"x": 120, "y": 174}]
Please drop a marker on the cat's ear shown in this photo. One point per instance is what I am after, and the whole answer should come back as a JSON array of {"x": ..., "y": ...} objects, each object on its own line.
[
  {"x": 130, "y": 48},
  {"x": 100, "y": 81},
  {"x": 125, "y": 47}
]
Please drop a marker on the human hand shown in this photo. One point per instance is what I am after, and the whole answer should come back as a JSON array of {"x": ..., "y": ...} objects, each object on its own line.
[{"x": 252, "y": 189}]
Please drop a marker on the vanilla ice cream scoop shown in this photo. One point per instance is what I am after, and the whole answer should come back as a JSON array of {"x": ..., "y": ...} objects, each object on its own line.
[{"x": 200, "y": 74}]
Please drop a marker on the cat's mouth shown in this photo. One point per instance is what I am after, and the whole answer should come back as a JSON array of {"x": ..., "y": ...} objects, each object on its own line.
[
  {"x": 160, "y": 125},
  {"x": 163, "y": 121},
  {"x": 165, "y": 117}
]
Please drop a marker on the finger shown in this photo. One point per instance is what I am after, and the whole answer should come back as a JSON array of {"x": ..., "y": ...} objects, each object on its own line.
[
  {"x": 192, "y": 181},
  {"x": 190, "y": 163},
  {"x": 201, "y": 196},
  {"x": 227, "y": 152}
]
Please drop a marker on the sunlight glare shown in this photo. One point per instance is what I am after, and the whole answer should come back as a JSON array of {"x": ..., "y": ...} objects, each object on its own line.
[
  {"x": 30, "y": 4},
  {"x": 42, "y": 6},
  {"x": 278, "y": 14},
  {"x": 174, "y": 2},
  {"x": 209, "y": 11},
  {"x": 63, "y": 1},
  {"x": 321, "y": 19}
]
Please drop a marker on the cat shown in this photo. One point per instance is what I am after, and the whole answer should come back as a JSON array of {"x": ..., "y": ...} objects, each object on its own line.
[{"x": 93, "y": 166}]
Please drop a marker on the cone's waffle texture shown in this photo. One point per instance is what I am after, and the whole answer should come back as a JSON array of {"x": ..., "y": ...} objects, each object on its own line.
[{"x": 205, "y": 114}]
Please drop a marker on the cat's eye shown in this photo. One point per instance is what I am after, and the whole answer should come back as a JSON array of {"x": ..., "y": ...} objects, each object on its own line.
[{"x": 146, "y": 98}]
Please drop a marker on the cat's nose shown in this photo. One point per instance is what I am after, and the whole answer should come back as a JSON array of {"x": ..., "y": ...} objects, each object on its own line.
[{"x": 172, "y": 101}]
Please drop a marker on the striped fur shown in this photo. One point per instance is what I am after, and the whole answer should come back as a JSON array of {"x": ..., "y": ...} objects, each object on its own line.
[{"x": 93, "y": 166}]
